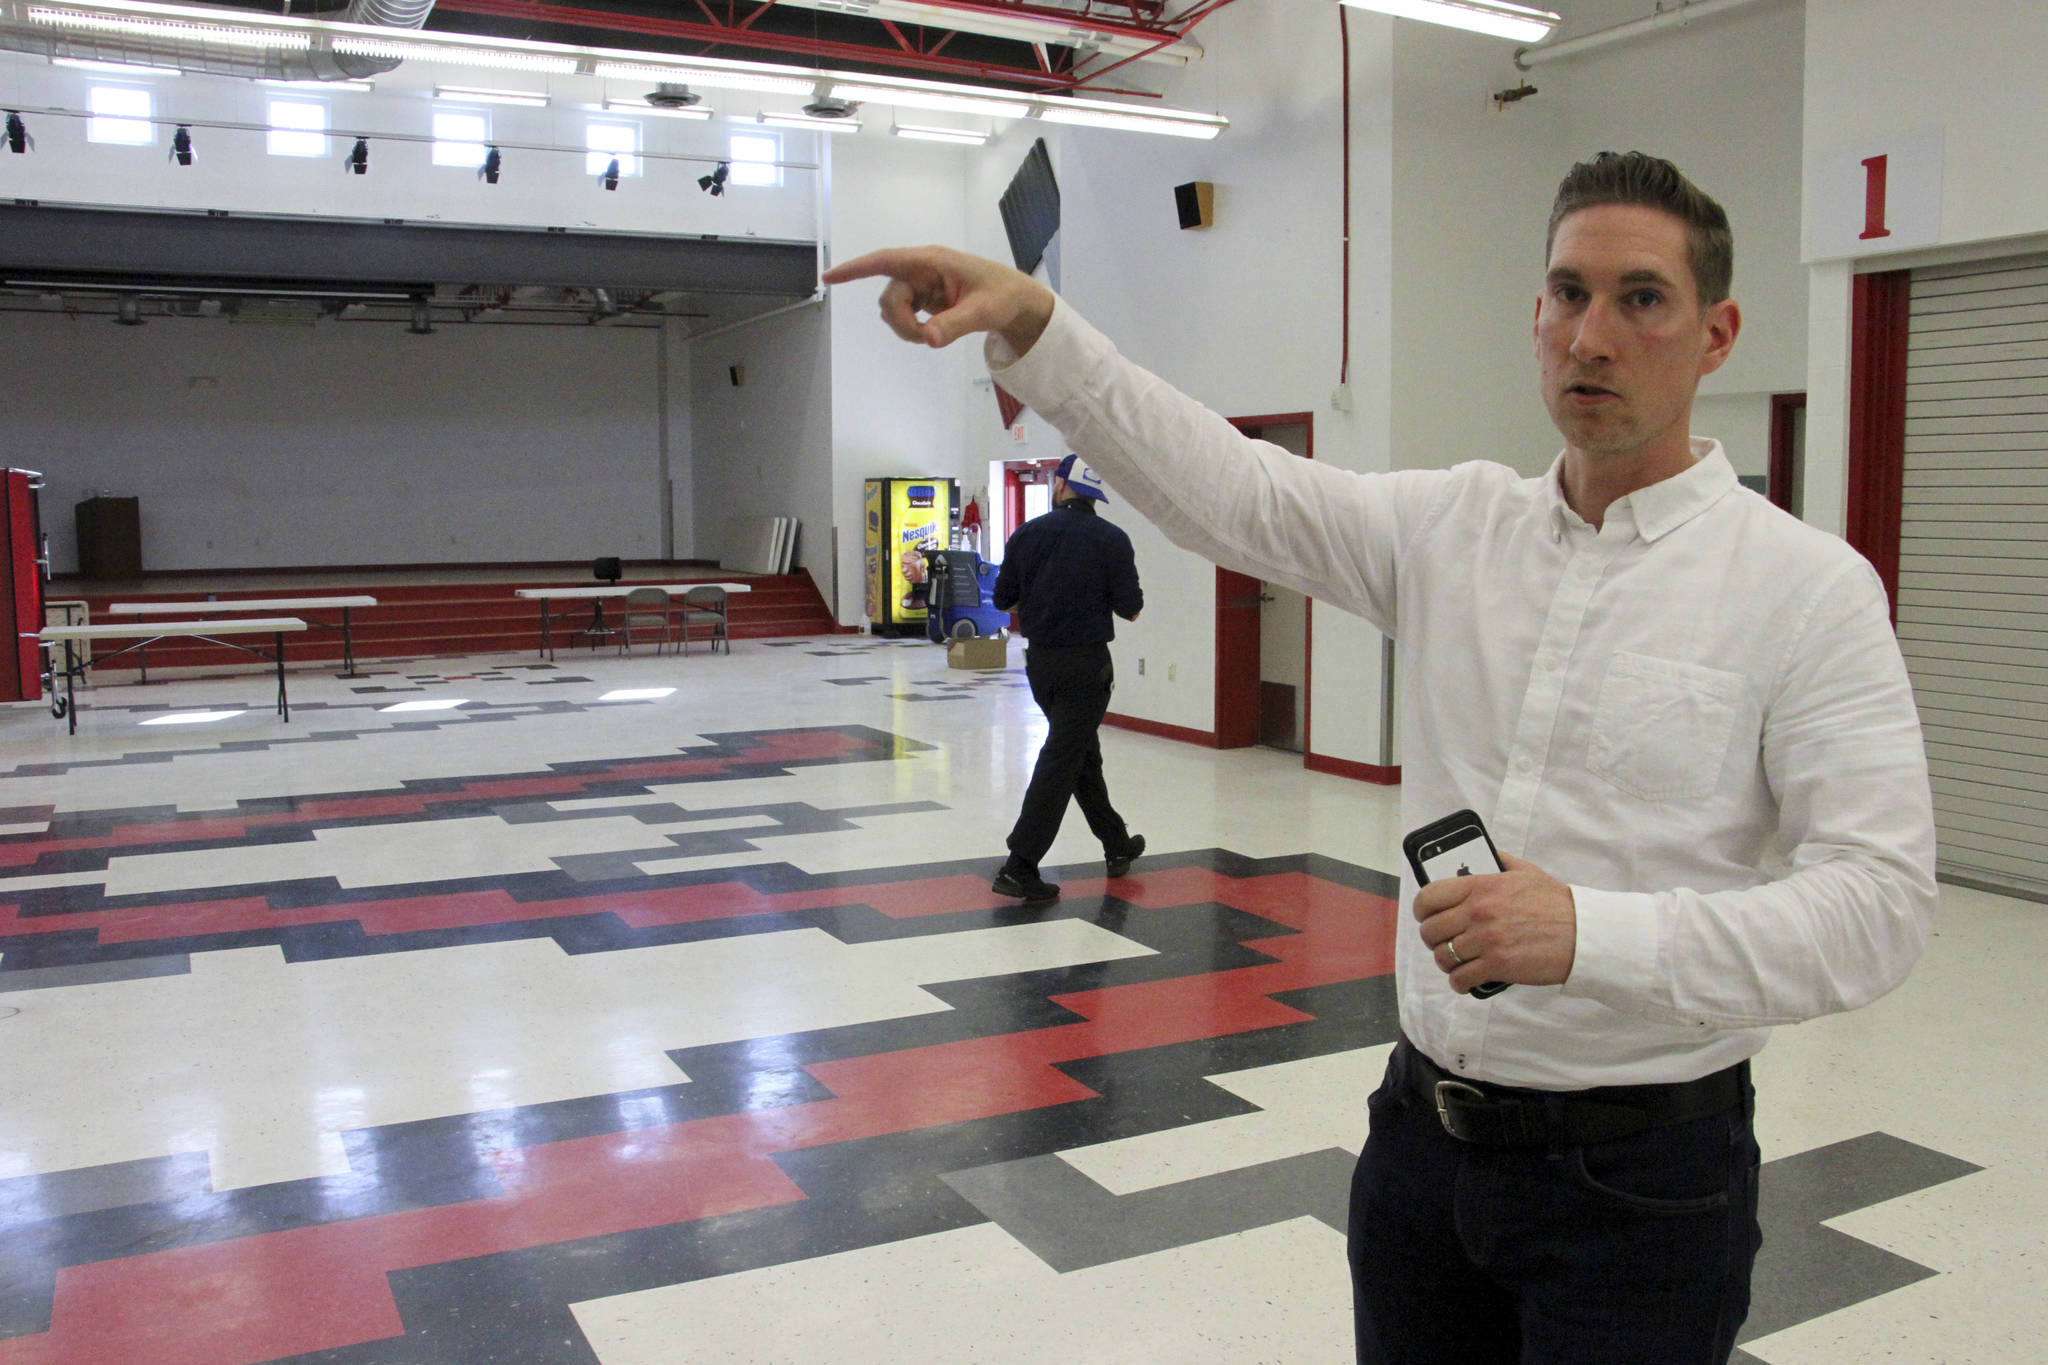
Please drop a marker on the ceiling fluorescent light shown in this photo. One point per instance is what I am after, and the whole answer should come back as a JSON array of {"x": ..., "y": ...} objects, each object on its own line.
[
  {"x": 1131, "y": 118},
  {"x": 319, "y": 85},
  {"x": 1494, "y": 17},
  {"x": 115, "y": 68},
  {"x": 276, "y": 39},
  {"x": 695, "y": 111},
  {"x": 823, "y": 125},
  {"x": 943, "y": 101},
  {"x": 490, "y": 57},
  {"x": 963, "y": 135},
  {"x": 713, "y": 77},
  {"x": 477, "y": 94}
]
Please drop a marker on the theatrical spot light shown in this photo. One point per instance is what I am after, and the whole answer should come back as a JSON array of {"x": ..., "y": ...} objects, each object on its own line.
[
  {"x": 181, "y": 146},
  {"x": 128, "y": 312},
  {"x": 611, "y": 175},
  {"x": 714, "y": 183},
  {"x": 422, "y": 324},
  {"x": 494, "y": 161},
  {"x": 18, "y": 139},
  {"x": 357, "y": 162}
]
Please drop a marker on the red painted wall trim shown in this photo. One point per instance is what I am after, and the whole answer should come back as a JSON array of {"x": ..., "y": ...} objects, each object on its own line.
[
  {"x": 1281, "y": 419},
  {"x": 1205, "y": 738},
  {"x": 1361, "y": 772},
  {"x": 1878, "y": 326}
]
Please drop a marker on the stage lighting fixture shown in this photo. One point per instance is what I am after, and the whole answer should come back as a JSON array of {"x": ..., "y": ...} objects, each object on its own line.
[
  {"x": 357, "y": 162},
  {"x": 494, "y": 161},
  {"x": 18, "y": 139},
  {"x": 181, "y": 146},
  {"x": 611, "y": 175},
  {"x": 714, "y": 183},
  {"x": 128, "y": 312},
  {"x": 422, "y": 324}
]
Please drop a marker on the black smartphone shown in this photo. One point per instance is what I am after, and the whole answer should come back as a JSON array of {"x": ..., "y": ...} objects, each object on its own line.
[{"x": 1455, "y": 846}]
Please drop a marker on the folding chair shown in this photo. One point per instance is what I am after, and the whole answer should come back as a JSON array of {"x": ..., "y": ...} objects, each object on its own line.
[
  {"x": 647, "y": 612},
  {"x": 705, "y": 607}
]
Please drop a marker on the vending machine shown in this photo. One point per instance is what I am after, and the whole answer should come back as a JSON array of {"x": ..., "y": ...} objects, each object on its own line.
[
  {"x": 901, "y": 516},
  {"x": 22, "y": 565}
]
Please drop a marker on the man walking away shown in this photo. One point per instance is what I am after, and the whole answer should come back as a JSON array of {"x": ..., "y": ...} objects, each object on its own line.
[{"x": 1065, "y": 574}]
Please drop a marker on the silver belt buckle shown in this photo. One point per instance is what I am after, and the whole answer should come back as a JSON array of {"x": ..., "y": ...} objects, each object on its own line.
[{"x": 1443, "y": 1108}]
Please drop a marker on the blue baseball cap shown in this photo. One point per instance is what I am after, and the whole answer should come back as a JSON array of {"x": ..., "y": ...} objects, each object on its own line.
[{"x": 1081, "y": 479}]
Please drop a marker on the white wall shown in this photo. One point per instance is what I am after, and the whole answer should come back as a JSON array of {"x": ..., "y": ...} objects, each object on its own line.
[
  {"x": 1741, "y": 423},
  {"x": 1242, "y": 315},
  {"x": 678, "y": 439},
  {"x": 232, "y": 171},
  {"x": 1876, "y": 70},
  {"x": 1450, "y": 196},
  {"x": 1472, "y": 188},
  {"x": 343, "y": 443},
  {"x": 762, "y": 447},
  {"x": 895, "y": 408},
  {"x": 1722, "y": 97},
  {"x": 1970, "y": 69}
]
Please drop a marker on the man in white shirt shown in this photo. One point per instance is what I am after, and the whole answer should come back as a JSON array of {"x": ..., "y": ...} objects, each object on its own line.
[{"x": 1683, "y": 717}]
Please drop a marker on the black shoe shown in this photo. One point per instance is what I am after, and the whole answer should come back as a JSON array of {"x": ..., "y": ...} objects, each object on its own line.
[
  {"x": 1028, "y": 887},
  {"x": 1120, "y": 863}
]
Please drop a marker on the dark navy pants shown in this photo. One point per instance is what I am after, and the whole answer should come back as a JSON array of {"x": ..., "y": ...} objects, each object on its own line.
[
  {"x": 1632, "y": 1252},
  {"x": 1071, "y": 684}
]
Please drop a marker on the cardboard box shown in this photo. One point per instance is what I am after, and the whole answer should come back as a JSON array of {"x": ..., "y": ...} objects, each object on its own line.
[{"x": 980, "y": 652}]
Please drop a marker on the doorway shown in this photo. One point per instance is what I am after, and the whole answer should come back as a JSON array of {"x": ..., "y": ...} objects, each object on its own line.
[
  {"x": 1263, "y": 633},
  {"x": 1786, "y": 482},
  {"x": 1026, "y": 493}
]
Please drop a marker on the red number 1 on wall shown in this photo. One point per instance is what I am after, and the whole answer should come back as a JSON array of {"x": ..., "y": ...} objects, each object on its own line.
[{"x": 1873, "y": 199}]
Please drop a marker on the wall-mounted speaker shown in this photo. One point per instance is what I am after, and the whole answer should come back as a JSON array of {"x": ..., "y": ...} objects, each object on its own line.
[{"x": 1195, "y": 202}]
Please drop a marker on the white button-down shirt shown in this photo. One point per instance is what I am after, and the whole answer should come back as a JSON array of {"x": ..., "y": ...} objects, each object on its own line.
[{"x": 1696, "y": 715}]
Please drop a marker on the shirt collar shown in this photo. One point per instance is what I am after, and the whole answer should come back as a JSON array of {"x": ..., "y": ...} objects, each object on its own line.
[{"x": 1662, "y": 507}]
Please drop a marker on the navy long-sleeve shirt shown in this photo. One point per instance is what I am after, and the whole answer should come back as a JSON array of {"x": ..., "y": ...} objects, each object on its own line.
[{"x": 1065, "y": 573}]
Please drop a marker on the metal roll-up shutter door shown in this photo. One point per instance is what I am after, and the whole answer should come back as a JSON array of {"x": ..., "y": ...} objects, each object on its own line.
[{"x": 1973, "y": 563}]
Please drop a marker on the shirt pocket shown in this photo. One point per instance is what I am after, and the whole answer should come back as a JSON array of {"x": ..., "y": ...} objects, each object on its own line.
[{"x": 1662, "y": 728}]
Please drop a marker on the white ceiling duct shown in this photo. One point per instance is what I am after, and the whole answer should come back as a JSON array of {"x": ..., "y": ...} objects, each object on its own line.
[
  {"x": 1042, "y": 23},
  {"x": 215, "y": 41}
]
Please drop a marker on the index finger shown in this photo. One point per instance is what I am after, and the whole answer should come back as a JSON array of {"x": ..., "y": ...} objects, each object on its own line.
[{"x": 894, "y": 262}]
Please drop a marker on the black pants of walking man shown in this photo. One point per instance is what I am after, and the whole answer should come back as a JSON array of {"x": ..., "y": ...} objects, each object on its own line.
[{"x": 1071, "y": 684}]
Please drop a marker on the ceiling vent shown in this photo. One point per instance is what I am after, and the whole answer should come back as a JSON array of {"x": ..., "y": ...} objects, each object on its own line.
[
  {"x": 827, "y": 106},
  {"x": 667, "y": 96}
]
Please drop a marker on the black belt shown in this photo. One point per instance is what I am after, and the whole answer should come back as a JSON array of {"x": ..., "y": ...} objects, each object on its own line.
[{"x": 1488, "y": 1115}]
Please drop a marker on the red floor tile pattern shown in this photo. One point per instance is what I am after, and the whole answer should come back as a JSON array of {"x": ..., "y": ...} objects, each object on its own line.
[{"x": 323, "y": 1287}]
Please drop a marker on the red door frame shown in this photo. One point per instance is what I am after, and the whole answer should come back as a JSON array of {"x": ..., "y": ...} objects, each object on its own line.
[
  {"x": 1013, "y": 502},
  {"x": 1237, "y": 629},
  {"x": 1785, "y": 408},
  {"x": 1879, "y": 320},
  {"x": 1237, "y": 699}
]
